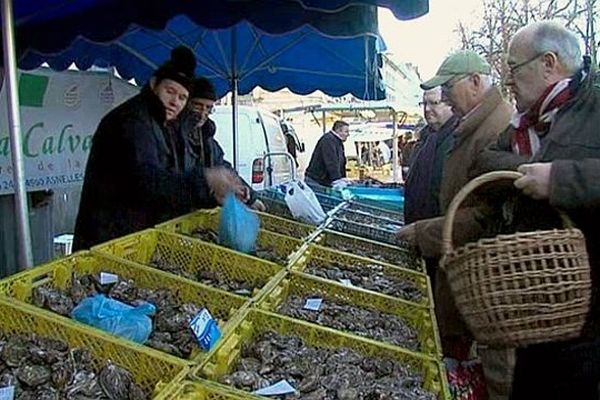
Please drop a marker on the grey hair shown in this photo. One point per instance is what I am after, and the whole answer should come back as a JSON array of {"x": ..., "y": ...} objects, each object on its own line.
[
  {"x": 436, "y": 90},
  {"x": 549, "y": 36},
  {"x": 486, "y": 81}
]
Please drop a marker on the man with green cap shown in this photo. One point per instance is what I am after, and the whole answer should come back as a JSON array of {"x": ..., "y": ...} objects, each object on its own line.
[{"x": 467, "y": 86}]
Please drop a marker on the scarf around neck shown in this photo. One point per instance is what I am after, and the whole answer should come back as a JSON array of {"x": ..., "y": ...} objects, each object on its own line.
[{"x": 532, "y": 125}]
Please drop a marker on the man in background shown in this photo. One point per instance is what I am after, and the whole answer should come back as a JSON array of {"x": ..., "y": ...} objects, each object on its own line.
[{"x": 327, "y": 166}]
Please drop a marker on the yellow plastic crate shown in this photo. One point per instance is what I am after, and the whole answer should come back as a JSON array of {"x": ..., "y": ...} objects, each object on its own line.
[
  {"x": 369, "y": 219},
  {"x": 153, "y": 371},
  {"x": 283, "y": 246},
  {"x": 193, "y": 255},
  {"x": 223, "y": 360},
  {"x": 210, "y": 219},
  {"x": 204, "y": 390},
  {"x": 375, "y": 211},
  {"x": 361, "y": 247},
  {"x": 58, "y": 275},
  {"x": 324, "y": 257},
  {"x": 362, "y": 230},
  {"x": 420, "y": 318}
]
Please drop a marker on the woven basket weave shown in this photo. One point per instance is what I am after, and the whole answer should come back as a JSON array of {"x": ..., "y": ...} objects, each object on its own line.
[{"x": 520, "y": 289}]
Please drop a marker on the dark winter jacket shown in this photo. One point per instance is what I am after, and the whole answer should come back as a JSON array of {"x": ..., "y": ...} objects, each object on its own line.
[
  {"x": 562, "y": 369},
  {"x": 422, "y": 188},
  {"x": 207, "y": 152},
  {"x": 328, "y": 162},
  {"x": 140, "y": 172}
]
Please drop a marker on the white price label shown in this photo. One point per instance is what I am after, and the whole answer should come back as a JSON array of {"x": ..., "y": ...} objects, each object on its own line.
[
  {"x": 280, "y": 388},
  {"x": 313, "y": 304},
  {"x": 108, "y": 278}
]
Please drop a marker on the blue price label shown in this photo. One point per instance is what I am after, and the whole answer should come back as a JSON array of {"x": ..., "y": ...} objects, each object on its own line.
[{"x": 205, "y": 329}]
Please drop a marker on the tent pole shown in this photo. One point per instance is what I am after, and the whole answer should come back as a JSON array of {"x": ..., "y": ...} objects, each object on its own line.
[
  {"x": 324, "y": 123},
  {"x": 16, "y": 147},
  {"x": 234, "y": 96},
  {"x": 234, "y": 116},
  {"x": 395, "y": 147}
]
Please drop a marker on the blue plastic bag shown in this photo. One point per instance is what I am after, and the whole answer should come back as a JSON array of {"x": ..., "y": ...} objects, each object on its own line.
[
  {"x": 238, "y": 228},
  {"x": 115, "y": 317}
]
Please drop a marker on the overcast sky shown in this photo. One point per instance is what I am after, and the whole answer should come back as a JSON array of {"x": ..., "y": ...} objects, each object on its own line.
[{"x": 426, "y": 41}]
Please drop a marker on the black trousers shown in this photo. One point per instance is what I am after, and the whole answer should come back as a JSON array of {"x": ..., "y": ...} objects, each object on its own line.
[{"x": 558, "y": 371}]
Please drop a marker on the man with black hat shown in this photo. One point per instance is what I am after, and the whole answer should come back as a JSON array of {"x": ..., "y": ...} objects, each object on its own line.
[
  {"x": 201, "y": 136},
  {"x": 140, "y": 171}
]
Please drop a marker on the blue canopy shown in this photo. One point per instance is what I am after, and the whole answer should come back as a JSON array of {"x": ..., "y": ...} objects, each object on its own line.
[
  {"x": 303, "y": 60},
  {"x": 50, "y": 27},
  {"x": 402, "y": 9}
]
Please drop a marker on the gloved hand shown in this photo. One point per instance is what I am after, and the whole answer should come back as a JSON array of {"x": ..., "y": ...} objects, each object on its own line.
[
  {"x": 221, "y": 181},
  {"x": 536, "y": 180}
]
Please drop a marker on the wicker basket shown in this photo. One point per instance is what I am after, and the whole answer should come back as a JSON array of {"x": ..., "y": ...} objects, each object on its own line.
[{"x": 520, "y": 289}]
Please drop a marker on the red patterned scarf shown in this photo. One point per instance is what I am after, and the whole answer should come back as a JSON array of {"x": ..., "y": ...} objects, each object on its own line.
[{"x": 535, "y": 123}]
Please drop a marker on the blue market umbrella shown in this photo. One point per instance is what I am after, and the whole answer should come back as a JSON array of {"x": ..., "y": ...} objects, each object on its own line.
[
  {"x": 51, "y": 26},
  {"x": 238, "y": 59},
  {"x": 303, "y": 60}
]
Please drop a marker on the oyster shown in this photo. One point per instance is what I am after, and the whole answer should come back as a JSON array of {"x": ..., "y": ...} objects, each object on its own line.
[
  {"x": 360, "y": 321},
  {"x": 15, "y": 351},
  {"x": 367, "y": 276},
  {"x": 206, "y": 235},
  {"x": 33, "y": 375},
  {"x": 53, "y": 300},
  {"x": 115, "y": 381},
  {"x": 62, "y": 374},
  {"x": 323, "y": 373}
]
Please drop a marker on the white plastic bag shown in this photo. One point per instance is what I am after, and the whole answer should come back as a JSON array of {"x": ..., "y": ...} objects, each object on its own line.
[{"x": 303, "y": 203}]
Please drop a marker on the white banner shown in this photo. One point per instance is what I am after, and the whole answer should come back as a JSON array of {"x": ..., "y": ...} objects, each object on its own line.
[{"x": 60, "y": 112}]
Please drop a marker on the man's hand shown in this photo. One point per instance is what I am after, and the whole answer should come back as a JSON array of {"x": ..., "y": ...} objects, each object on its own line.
[
  {"x": 407, "y": 234},
  {"x": 258, "y": 206},
  {"x": 221, "y": 181},
  {"x": 536, "y": 180}
]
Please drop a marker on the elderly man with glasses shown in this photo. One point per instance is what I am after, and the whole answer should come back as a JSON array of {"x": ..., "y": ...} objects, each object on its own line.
[
  {"x": 554, "y": 139},
  {"x": 201, "y": 139},
  {"x": 467, "y": 86},
  {"x": 422, "y": 186}
]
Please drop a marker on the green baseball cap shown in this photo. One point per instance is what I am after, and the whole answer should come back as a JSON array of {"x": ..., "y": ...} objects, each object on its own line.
[{"x": 464, "y": 62}]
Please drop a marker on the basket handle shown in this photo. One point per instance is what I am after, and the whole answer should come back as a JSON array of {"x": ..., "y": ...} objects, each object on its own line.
[{"x": 466, "y": 190}]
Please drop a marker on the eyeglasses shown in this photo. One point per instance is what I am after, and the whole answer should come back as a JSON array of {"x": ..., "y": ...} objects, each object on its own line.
[
  {"x": 201, "y": 107},
  {"x": 514, "y": 68},
  {"x": 430, "y": 103},
  {"x": 452, "y": 82}
]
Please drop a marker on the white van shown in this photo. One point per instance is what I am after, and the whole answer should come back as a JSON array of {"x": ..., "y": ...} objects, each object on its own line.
[{"x": 259, "y": 134}]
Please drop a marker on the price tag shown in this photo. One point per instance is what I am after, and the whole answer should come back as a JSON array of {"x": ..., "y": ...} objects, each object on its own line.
[
  {"x": 346, "y": 282},
  {"x": 280, "y": 388},
  {"x": 205, "y": 329},
  {"x": 313, "y": 304},
  {"x": 107, "y": 278},
  {"x": 7, "y": 393}
]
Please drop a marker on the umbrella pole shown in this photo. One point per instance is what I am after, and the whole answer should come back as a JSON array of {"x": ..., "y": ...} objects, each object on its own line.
[
  {"x": 395, "y": 147},
  {"x": 16, "y": 147},
  {"x": 234, "y": 116},
  {"x": 234, "y": 96}
]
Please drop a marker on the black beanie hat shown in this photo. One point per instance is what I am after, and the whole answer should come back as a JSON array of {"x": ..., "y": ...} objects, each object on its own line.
[
  {"x": 202, "y": 88},
  {"x": 179, "y": 68}
]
